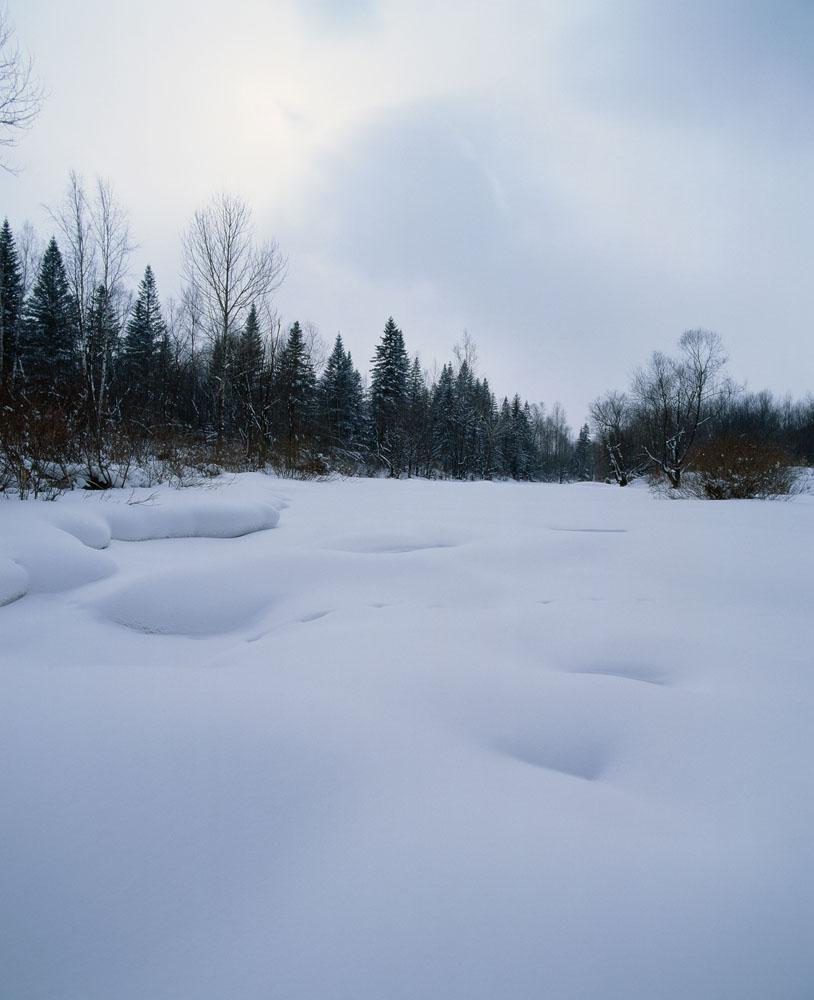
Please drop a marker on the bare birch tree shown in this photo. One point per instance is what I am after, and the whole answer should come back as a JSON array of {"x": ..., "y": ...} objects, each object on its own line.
[
  {"x": 673, "y": 398},
  {"x": 20, "y": 92},
  {"x": 231, "y": 270},
  {"x": 95, "y": 237},
  {"x": 612, "y": 419}
]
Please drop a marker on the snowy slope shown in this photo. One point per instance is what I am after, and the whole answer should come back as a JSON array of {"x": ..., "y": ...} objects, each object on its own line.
[{"x": 379, "y": 740}]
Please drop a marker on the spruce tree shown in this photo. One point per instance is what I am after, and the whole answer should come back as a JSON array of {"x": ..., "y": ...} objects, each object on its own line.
[
  {"x": 583, "y": 465},
  {"x": 443, "y": 421},
  {"x": 341, "y": 406},
  {"x": 296, "y": 391},
  {"x": 142, "y": 342},
  {"x": 49, "y": 340},
  {"x": 11, "y": 302},
  {"x": 417, "y": 427},
  {"x": 388, "y": 391},
  {"x": 249, "y": 353},
  {"x": 487, "y": 430}
]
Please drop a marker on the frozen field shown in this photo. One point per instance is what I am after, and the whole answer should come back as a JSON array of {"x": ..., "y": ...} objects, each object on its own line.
[{"x": 371, "y": 740}]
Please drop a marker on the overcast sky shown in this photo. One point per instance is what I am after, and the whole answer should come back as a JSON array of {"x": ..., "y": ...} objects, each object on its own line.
[{"x": 574, "y": 183}]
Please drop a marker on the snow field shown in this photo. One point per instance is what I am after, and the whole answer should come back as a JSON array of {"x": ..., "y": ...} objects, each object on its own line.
[{"x": 421, "y": 740}]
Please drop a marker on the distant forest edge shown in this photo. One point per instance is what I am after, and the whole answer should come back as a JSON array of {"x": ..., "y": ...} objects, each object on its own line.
[{"x": 100, "y": 386}]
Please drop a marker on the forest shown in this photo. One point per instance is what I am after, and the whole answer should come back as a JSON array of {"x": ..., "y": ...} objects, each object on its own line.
[{"x": 102, "y": 384}]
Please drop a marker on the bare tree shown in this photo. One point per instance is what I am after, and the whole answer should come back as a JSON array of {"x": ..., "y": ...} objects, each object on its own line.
[
  {"x": 29, "y": 252},
  {"x": 230, "y": 270},
  {"x": 673, "y": 398},
  {"x": 20, "y": 92},
  {"x": 79, "y": 248},
  {"x": 316, "y": 347},
  {"x": 111, "y": 231},
  {"x": 466, "y": 352},
  {"x": 95, "y": 234},
  {"x": 612, "y": 419}
]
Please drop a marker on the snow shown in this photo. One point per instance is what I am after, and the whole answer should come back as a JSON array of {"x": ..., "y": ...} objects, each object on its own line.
[{"x": 437, "y": 740}]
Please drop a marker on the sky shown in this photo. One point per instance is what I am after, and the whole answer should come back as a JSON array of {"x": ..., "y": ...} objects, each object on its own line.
[{"x": 574, "y": 183}]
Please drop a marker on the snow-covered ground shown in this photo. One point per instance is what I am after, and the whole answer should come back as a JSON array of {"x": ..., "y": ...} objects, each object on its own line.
[{"x": 371, "y": 740}]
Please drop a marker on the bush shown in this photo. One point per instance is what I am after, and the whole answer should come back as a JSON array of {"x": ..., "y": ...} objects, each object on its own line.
[{"x": 731, "y": 467}]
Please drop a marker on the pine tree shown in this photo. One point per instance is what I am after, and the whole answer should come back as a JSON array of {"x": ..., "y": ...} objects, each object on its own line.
[
  {"x": 443, "y": 421},
  {"x": 388, "y": 391},
  {"x": 583, "y": 465},
  {"x": 142, "y": 343},
  {"x": 418, "y": 424},
  {"x": 11, "y": 301},
  {"x": 49, "y": 340},
  {"x": 341, "y": 405},
  {"x": 464, "y": 422},
  {"x": 515, "y": 440},
  {"x": 296, "y": 391}
]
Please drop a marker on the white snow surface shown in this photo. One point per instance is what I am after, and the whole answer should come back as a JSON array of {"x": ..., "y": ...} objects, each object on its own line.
[{"x": 421, "y": 741}]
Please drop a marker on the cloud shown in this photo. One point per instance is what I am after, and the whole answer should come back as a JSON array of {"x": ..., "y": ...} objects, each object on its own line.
[
  {"x": 343, "y": 15},
  {"x": 574, "y": 183}
]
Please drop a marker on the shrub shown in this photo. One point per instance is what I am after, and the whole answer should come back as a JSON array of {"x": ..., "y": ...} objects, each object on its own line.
[{"x": 732, "y": 467}]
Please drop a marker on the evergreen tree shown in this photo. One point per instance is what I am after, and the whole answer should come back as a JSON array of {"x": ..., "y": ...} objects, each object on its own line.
[
  {"x": 11, "y": 302},
  {"x": 464, "y": 420},
  {"x": 49, "y": 341},
  {"x": 248, "y": 383},
  {"x": 341, "y": 405},
  {"x": 296, "y": 392},
  {"x": 388, "y": 391},
  {"x": 583, "y": 464},
  {"x": 485, "y": 430},
  {"x": 515, "y": 440},
  {"x": 418, "y": 423},
  {"x": 443, "y": 422},
  {"x": 142, "y": 343}
]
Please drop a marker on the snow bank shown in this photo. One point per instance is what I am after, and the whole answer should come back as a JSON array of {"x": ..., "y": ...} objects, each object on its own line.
[
  {"x": 52, "y": 558},
  {"x": 189, "y": 517},
  {"x": 14, "y": 581},
  {"x": 55, "y": 546}
]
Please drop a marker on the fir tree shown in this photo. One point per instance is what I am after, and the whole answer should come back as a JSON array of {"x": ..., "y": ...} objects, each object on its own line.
[
  {"x": 443, "y": 421},
  {"x": 295, "y": 393},
  {"x": 388, "y": 390},
  {"x": 142, "y": 342},
  {"x": 249, "y": 357},
  {"x": 249, "y": 354},
  {"x": 583, "y": 465},
  {"x": 11, "y": 301},
  {"x": 418, "y": 425},
  {"x": 341, "y": 405},
  {"x": 49, "y": 327}
]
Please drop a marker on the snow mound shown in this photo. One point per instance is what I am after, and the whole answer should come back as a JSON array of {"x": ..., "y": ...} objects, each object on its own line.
[
  {"x": 191, "y": 519},
  {"x": 50, "y": 558},
  {"x": 14, "y": 581},
  {"x": 181, "y": 602},
  {"x": 86, "y": 526},
  {"x": 50, "y": 547}
]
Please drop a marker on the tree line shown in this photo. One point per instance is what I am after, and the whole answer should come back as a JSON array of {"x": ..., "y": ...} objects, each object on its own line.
[{"x": 96, "y": 380}]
